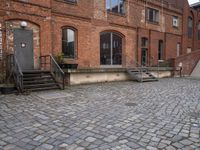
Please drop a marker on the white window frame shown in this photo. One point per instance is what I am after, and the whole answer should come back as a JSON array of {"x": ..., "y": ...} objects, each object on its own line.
[{"x": 175, "y": 21}]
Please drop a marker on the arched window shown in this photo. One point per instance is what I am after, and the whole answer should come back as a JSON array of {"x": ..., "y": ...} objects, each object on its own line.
[
  {"x": 190, "y": 24},
  {"x": 69, "y": 42},
  {"x": 110, "y": 48},
  {"x": 199, "y": 30}
]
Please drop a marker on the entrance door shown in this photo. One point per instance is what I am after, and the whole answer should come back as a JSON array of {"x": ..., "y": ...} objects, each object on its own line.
[
  {"x": 23, "y": 42},
  {"x": 144, "y": 56}
]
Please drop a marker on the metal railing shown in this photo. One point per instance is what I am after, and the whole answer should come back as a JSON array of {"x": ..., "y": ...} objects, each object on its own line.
[
  {"x": 139, "y": 67},
  {"x": 13, "y": 68},
  {"x": 47, "y": 62}
]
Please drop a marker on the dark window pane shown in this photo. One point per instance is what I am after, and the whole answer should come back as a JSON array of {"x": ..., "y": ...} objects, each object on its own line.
[
  {"x": 160, "y": 50},
  {"x": 117, "y": 49},
  {"x": 110, "y": 43},
  {"x": 71, "y": 1},
  {"x": 105, "y": 52},
  {"x": 190, "y": 24},
  {"x": 199, "y": 31},
  {"x": 68, "y": 43}
]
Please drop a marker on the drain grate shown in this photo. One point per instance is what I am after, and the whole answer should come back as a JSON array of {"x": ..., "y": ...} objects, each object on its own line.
[{"x": 130, "y": 104}]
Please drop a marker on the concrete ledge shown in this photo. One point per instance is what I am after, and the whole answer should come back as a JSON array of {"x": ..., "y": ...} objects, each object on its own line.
[{"x": 96, "y": 75}]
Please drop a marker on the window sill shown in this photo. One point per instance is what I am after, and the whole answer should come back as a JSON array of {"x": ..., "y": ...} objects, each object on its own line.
[
  {"x": 175, "y": 27},
  {"x": 67, "y": 2},
  {"x": 116, "y": 14},
  {"x": 154, "y": 23}
]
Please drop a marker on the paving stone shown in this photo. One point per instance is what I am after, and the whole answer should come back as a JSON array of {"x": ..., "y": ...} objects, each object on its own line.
[
  {"x": 96, "y": 117},
  {"x": 90, "y": 139},
  {"x": 47, "y": 146}
]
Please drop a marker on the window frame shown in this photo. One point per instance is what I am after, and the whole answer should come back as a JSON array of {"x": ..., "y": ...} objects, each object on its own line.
[
  {"x": 155, "y": 14},
  {"x": 75, "y": 41},
  {"x": 198, "y": 30},
  {"x": 111, "y": 48},
  {"x": 190, "y": 29},
  {"x": 177, "y": 20},
  {"x": 109, "y": 8}
]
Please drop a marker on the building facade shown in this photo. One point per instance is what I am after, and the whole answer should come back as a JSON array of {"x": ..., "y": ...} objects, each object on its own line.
[{"x": 98, "y": 33}]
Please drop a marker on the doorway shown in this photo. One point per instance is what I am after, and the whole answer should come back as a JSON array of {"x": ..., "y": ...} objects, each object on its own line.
[{"x": 23, "y": 46}]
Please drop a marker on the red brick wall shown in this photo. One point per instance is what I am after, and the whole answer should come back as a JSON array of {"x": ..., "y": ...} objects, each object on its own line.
[
  {"x": 90, "y": 18},
  {"x": 189, "y": 61}
]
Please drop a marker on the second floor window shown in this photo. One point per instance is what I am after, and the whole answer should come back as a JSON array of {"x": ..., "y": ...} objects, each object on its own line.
[
  {"x": 175, "y": 22},
  {"x": 152, "y": 15},
  {"x": 117, "y": 6},
  {"x": 190, "y": 24}
]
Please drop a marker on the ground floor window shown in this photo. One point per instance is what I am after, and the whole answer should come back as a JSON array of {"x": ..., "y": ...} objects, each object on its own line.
[
  {"x": 110, "y": 49},
  {"x": 68, "y": 42}
]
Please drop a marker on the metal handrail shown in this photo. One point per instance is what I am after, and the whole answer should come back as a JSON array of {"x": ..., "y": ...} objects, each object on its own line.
[
  {"x": 47, "y": 62},
  {"x": 139, "y": 67},
  {"x": 16, "y": 71}
]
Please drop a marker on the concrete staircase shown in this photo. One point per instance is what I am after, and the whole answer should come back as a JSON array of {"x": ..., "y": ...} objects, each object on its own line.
[
  {"x": 196, "y": 72},
  {"x": 141, "y": 75},
  {"x": 37, "y": 80}
]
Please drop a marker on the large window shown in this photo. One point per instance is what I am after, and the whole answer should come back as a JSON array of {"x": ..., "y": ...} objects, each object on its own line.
[
  {"x": 190, "y": 24},
  {"x": 152, "y": 15},
  {"x": 199, "y": 30},
  {"x": 117, "y": 6},
  {"x": 160, "y": 50},
  {"x": 111, "y": 49},
  {"x": 69, "y": 42}
]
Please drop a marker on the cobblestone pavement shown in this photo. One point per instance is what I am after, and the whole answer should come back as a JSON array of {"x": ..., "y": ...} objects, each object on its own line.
[{"x": 113, "y": 116}]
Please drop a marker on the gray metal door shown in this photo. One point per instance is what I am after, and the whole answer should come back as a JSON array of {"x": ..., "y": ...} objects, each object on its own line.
[{"x": 23, "y": 42}]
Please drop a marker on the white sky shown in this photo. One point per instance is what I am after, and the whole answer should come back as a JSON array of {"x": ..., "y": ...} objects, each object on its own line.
[{"x": 192, "y": 1}]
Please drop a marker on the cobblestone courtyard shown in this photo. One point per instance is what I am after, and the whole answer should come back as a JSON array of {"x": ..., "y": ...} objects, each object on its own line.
[{"x": 113, "y": 116}]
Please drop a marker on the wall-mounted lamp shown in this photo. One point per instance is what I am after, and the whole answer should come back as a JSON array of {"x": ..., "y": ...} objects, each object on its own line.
[{"x": 23, "y": 24}]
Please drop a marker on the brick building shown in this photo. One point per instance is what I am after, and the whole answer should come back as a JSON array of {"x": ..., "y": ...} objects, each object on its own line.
[{"x": 98, "y": 33}]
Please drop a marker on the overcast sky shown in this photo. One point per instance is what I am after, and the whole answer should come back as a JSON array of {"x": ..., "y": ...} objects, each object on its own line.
[{"x": 192, "y": 1}]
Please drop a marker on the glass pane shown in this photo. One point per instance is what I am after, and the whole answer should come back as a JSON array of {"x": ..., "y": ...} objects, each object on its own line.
[
  {"x": 70, "y": 43},
  {"x": 117, "y": 50},
  {"x": 144, "y": 57},
  {"x": 105, "y": 49},
  {"x": 160, "y": 50},
  {"x": 108, "y": 4},
  {"x": 64, "y": 41},
  {"x": 122, "y": 5},
  {"x": 114, "y": 5}
]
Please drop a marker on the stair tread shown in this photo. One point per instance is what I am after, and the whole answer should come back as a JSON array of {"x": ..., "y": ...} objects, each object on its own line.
[
  {"x": 36, "y": 71},
  {"x": 141, "y": 75},
  {"x": 43, "y": 88},
  {"x": 40, "y": 85},
  {"x": 38, "y": 81}
]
